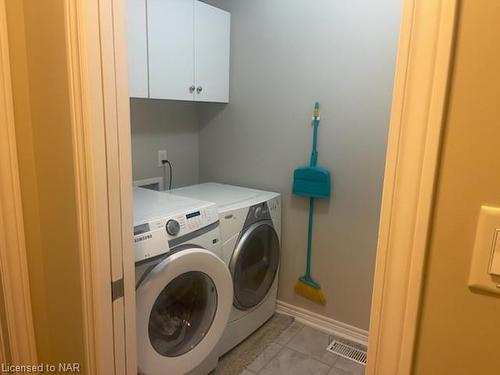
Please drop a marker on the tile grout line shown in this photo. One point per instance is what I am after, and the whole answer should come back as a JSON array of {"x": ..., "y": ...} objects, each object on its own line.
[
  {"x": 314, "y": 359},
  {"x": 271, "y": 359},
  {"x": 295, "y": 334},
  {"x": 309, "y": 355},
  {"x": 283, "y": 346},
  {"x": 317, "y": 359}
]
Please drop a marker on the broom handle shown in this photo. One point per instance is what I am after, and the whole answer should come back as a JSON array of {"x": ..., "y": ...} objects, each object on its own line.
[
  {"x": 309, "y": 239},
  {"x": 314, "y": 152},
  {"x": 314, "y": 159},
  {"x": 315, "y": 124}
]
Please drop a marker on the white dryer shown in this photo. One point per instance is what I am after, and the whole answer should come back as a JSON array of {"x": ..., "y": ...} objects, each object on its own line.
[
  {"x": 183, "y": 288},
  {"x": 251, "y": 236}
]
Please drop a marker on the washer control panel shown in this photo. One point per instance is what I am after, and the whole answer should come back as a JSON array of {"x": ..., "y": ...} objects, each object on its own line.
[{"x": 152, "y": 238}]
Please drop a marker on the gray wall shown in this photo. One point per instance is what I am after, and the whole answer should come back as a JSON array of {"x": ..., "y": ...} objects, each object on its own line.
[
  {"x": 164, "y": 125},
  {"x": 284, "y": 56}
]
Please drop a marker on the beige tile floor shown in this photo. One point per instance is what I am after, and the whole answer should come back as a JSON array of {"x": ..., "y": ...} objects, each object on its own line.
[{"x": 301, "y": 350}]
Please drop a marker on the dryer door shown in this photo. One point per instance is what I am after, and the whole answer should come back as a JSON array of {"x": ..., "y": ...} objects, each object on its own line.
[
  {"x": 183, "y": 306},
  {"x": 254, "y": 264}
]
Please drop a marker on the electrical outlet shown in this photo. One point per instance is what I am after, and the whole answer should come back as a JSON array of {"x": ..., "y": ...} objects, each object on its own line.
[{"x": 162, "y": 155}]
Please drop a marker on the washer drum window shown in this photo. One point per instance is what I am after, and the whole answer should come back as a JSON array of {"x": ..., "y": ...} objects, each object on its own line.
[
  {"x": 182, "y": 314},
  {"x": 255, "y": 264}
]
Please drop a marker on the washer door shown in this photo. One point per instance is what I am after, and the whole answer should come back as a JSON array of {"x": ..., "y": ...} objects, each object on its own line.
[
  {"x": 254, "y": 264},
  {"x": 183, "y": 306}
]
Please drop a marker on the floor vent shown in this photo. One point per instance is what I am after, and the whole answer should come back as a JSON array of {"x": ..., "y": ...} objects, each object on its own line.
[{"x": 347, "y": 351}]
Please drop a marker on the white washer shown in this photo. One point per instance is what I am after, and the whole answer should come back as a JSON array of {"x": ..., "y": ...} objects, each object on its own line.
[
  {"x": 251, "y": 235},
  {"x": 183, "y": 288}
]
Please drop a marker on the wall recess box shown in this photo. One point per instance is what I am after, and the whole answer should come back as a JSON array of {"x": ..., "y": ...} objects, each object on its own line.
[{"x": 485, "y": 265}]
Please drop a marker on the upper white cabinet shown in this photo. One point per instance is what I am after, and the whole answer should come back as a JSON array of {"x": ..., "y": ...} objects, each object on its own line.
[
  {"x": 171, "y": 49},
  {"x": 178, "y": 49},
  {"x": 211, "y": 53},
  {"x": 137, "y": 49}
]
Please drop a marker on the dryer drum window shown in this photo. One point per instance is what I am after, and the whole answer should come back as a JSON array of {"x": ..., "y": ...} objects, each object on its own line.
[
  {"x": 182, "y": 314},
  {"x": 255, "y": 265}
]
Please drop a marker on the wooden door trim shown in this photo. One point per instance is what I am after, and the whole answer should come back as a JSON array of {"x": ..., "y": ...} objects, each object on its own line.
[
  {"x": 96, "y": 41},
  {"x": 418, "y": 107},
  {"x": 18, "y": 345}
]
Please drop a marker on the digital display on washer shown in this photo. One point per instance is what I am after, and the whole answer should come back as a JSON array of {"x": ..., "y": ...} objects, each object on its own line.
[
  {"x": 193, "y": 214},
  {"x": 140, "y": 229}
]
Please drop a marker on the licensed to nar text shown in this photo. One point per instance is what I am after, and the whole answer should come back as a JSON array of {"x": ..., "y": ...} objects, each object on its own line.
[{"x": 41, "y": 368}]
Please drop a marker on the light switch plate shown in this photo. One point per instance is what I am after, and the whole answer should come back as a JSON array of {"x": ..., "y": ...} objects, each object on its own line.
[
  {"x": 483, "y": 260},
  {"x": 494, "y": 266}
]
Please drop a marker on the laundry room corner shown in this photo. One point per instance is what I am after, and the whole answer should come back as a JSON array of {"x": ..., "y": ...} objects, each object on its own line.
[
  {"x": 234, "y": 187},
  {"x": 236, "y": 114},
  {"x": 277, "y": 71},
  {"x": 164, "y": 125},
  {"x": 283, "y": 59}
]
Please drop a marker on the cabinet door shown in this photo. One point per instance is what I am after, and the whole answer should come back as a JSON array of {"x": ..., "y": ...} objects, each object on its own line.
[
  {"x": 137, "y": 49},
  {"x": 171, "y": 49},
  {"x": 212, "y": 30}
]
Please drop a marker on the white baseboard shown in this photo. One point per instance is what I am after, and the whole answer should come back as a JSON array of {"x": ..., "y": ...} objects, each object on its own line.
[{"x": 323, "y": 323}]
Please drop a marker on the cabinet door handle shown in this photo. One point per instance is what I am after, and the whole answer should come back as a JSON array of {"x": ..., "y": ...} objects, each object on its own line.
[
  {"x": 199, "y": 89},
  {"x": 191, "y": 89}
]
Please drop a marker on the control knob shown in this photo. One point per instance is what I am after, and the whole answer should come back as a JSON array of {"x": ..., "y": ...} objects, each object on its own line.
[
  {"x": 173, "y": 227},
  {"x": 258, "y": 212}
]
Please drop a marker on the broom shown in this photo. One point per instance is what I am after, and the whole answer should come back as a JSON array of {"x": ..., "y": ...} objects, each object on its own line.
[{"x": 312, "y": 182}]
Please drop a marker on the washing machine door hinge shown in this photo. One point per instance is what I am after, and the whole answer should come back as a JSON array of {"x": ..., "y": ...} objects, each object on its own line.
[{"x": 117, "y": 289}]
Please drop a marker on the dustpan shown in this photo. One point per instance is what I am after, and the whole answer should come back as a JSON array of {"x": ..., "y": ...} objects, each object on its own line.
[{"x": 312, "y": 181}]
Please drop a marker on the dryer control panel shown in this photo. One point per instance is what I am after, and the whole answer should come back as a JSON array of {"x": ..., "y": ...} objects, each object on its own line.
[
  {"x": 156, "y": 236},
  {"x": 263, "y": 211}
]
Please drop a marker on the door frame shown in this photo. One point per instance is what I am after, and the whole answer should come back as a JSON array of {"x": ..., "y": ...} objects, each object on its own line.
[
  {"x": 17, "y": 337},
  {"x": 418, "y": 107},
  {"x": 97, "y": 55},
  {"x": 417, "y": 118}
]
